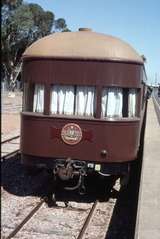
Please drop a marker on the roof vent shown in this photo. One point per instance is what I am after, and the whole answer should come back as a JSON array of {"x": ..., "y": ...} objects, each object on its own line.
[{"x": 84, "y": 29}]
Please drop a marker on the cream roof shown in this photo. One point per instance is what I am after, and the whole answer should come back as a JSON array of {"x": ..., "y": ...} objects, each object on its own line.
[{"x": 83, "y": 44}]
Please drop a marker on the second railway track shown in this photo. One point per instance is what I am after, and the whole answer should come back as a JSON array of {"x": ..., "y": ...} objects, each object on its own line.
[
  {"x": 10, "y": 147},
  {"x": 10, "y": 139}
]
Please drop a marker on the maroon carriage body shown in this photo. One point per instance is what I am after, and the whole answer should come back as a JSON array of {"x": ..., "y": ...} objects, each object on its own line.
[{"x": 81, "y": 58}]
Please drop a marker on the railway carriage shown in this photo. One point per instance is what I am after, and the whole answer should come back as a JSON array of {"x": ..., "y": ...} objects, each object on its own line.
[{"x": 84, "y": 103}]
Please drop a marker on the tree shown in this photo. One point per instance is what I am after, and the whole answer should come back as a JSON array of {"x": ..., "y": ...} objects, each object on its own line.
[
  {"x": 22, "y": 24},
  {"x": 43, "y": 21},
  {"x": 11, "y": 3},
  {"x": 60, "y": 25},
  {"x": 17, "y": 24}
]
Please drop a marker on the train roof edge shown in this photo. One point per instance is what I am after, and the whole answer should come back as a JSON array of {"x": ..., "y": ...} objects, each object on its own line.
[{"x": 83, "y": 44}]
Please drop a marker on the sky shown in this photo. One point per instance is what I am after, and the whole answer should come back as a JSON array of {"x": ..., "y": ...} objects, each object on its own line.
[{"x": 134, "y": 21}]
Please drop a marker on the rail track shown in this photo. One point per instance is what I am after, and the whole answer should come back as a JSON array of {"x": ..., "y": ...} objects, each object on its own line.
[
  {"x": 38, "y": 206},
  {"x": 82, "y": 231},
  {"x": 87, "y": 221},
  {"x": 90, "y": 221},
  {"x": 10, "y": 139},
  {"x": 10, "y": 147}
]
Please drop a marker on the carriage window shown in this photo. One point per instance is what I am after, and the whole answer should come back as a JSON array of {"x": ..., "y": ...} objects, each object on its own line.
[
  {"x": 73, "y": 100},
  {"x": 119, "y": 102},
  {"x": 38, "y": 99},
  {"x": 62, "y": 100},
  {"x": 85, "y": 101},
  {"x": 132, "y": 103},
  {"x": 112, "y": 102}
]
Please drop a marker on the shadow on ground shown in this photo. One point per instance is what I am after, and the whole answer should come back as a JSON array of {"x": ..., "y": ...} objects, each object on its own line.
[
  {"x": 123, "y": 220},
  {"x": 16, "y": 181}
]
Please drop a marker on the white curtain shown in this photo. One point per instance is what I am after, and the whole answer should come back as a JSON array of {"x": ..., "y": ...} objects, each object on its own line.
[
  {"x": 104, "y": 103},
  {"x": 85, "y": 101},
  {"x": 132, "y": 103},
  {"x": 112, "y": 100},
  {"x": 38, "y": 100},
  {"x": 62, "y": 100}
]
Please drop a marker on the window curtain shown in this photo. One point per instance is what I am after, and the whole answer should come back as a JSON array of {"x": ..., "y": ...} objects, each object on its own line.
[
  {"x": 38, "y": 99},
  {"x": 72, "y": 100},
  {"x": 112, "y": 99},
  {"x": 104, "y": 103},
  {"x": 62, "y": 100},
  {"x": 132, "y": 103},
  {"x": 85, "y": 101}
]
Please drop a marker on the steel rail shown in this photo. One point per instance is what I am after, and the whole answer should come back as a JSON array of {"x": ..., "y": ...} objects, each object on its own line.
[
  {"x": 13, "y": 153},
  {"x": 86, "y": 223},
  {"x": 8, "y": 140},
  {"x": 26, "y": 219}
]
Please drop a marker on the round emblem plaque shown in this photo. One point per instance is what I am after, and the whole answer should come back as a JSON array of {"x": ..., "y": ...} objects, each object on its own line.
[{"x": 71, "y": 134}]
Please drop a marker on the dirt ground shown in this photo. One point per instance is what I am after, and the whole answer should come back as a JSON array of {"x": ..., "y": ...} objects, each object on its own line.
[
  {"x": 10, "y": 113},
  {"x": 10, "y": 123}
]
